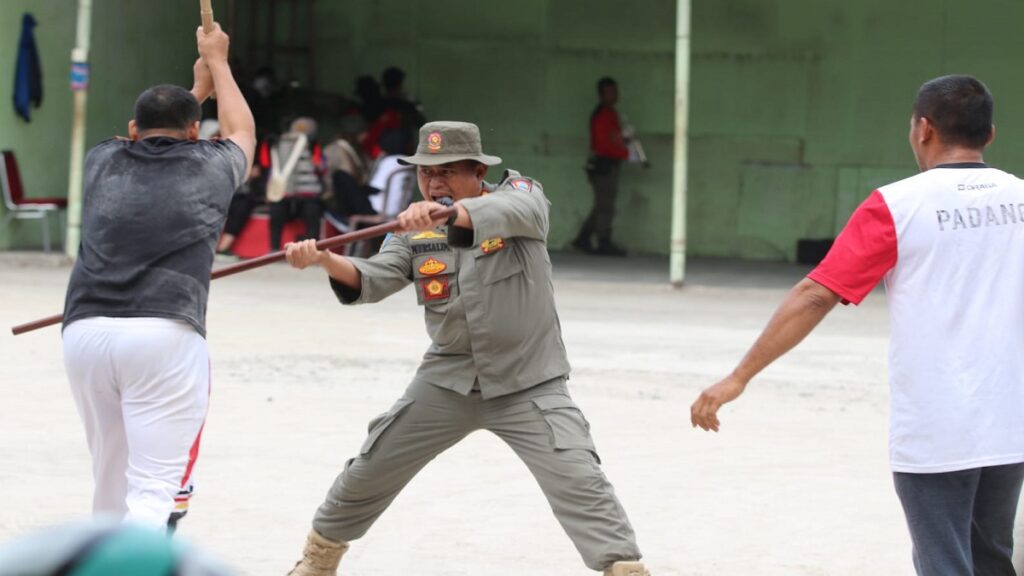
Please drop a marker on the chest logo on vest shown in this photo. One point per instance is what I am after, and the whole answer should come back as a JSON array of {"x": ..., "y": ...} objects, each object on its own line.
[
  {"x": 428, "y": 235},
  {"x": 492, "y": 245},
  {"x": 432, "y": 267},
  {"x": 434, "y": 288},
  {"x": 521, "y": 184}
]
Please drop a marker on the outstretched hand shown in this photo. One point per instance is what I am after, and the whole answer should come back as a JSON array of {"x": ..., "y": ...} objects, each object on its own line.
[{"x": 704, "y": 412}]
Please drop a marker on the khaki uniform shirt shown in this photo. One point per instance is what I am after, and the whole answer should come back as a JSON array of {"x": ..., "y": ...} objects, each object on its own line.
[{"x": 487, "y": 292}]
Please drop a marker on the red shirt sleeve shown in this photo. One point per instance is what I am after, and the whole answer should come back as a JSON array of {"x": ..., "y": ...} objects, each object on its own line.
[
  {"x": 318, "y": 157},
  {"x": 862, "y": 254},
  {"x": 606, "y": 135},
  {"x": 264, "y": 156}
]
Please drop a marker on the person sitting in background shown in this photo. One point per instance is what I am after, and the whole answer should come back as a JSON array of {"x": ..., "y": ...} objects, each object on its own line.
[
  {"x": 382, "y": 197},
  {"x": 295, "y": 184},
  {"x": 249, "y": 195},
  {"x": 345, "y": 166},
  {"x": 390, "y": 191}
]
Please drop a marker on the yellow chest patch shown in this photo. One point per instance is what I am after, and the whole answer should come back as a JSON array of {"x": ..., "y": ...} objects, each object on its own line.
[
  {"x": 492, "y": 245},
  {"x": 428, "y": 235},
  {"x": 432, "y": 267}
]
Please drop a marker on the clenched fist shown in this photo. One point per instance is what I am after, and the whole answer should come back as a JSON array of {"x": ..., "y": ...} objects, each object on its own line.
[
  {"x": 417, "y": 217},
  {"x": 213, "y": 47},
  {"x": 303, "y": 254}
]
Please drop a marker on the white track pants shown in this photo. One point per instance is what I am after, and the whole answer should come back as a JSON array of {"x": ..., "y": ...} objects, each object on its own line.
[{"x": 142, "y": 389}]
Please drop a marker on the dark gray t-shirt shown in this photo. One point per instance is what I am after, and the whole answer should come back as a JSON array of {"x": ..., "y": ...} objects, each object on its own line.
[{"x": 152, "y": 211}]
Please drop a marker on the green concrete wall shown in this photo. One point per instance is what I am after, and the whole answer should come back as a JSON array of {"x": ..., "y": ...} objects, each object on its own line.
[
  {"x": 799, "y": 108},
  {"x": 134, "y": 44}
]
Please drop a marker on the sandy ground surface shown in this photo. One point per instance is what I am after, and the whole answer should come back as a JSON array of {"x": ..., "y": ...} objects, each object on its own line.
[{"x": 796, "y": 483}]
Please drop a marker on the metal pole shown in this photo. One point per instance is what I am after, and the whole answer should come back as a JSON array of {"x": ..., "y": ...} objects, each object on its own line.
[
  {"x": 677, "y": 262},
  {"x": 80, "y": 87}
]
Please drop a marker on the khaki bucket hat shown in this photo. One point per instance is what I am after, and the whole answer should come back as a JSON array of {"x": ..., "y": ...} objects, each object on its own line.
[{"x": 443, "y": 142}]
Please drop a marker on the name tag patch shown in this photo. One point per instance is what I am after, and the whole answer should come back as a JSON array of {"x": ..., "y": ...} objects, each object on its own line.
[
  {"x": 425, "y": 247},
  {"x": 434, "y": 288}
]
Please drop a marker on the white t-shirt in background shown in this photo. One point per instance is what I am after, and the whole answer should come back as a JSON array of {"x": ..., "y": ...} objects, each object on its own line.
[{"x": 393, "y": 191}]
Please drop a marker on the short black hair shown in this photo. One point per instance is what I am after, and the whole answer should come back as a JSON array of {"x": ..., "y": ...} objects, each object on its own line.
[
  {"x": 392, "y": 78},
  {"x": 960, "y": 108},
  {"x": 367, "y": 88},
  {"x": 605, "y": 82},
  {"x": 166, "y": 107}
]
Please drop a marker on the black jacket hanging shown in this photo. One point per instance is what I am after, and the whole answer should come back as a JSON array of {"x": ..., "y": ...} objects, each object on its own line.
[{"x": 28, "y": 74}]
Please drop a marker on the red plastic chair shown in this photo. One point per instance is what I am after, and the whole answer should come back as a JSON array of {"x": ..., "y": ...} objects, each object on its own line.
[{"x": 22, "y": 208}]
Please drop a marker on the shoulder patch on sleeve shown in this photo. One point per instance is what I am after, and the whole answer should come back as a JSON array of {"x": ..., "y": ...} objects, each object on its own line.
[{"x": 522, "y": 184}]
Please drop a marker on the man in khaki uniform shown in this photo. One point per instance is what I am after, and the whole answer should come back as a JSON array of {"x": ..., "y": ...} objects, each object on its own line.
[{"x": 497, "y": 361}]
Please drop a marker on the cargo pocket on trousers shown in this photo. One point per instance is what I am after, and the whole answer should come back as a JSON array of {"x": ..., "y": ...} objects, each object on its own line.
[
  {"x": 381, "y": 423},
  {"x": 569, "y": 428}
]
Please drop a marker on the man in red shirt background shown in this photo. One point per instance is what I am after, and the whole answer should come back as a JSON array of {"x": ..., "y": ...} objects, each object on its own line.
[{"x": 607, "y": 151}]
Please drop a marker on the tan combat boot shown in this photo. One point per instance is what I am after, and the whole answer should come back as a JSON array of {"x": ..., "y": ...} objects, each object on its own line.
[
  {"x": 320, "y": 557},
  {"x": 627, "y": 569}
]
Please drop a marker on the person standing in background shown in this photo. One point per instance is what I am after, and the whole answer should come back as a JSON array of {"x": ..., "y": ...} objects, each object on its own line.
[{"x": 607, "y": 152}]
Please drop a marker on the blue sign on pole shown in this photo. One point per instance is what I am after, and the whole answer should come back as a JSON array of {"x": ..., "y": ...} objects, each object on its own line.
[{"x": 79, "y": 76}]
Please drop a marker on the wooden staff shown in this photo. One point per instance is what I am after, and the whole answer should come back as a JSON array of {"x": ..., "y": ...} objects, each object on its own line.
[
  {"x": 206, "y": 14},
  {"x": 328, "y": 244}
]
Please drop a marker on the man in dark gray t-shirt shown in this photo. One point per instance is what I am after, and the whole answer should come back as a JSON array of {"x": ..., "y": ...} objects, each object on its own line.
[
  {"x": 153, "y": 210},
  {"x": 135, "y": 313}
]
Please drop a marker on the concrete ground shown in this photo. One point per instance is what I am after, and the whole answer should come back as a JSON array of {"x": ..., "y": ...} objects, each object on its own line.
[{"x": 797, "y": 482}]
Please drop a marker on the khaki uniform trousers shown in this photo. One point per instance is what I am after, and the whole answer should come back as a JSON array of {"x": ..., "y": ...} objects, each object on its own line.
[{"x": 543, "y": 427}]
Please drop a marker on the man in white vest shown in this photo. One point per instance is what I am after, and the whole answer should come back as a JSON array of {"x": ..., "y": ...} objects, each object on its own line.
[{"x": 949, "y": 243}]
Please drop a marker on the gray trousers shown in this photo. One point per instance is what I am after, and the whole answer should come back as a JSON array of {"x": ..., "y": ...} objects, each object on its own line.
[
  {"x": 961, "y": 523},
  {"x": 606, "y": 189},
  {"x": 543, "y": 427}
]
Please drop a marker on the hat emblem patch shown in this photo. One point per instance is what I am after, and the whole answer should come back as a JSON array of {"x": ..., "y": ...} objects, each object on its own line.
[{"x": 434, "y": 142}]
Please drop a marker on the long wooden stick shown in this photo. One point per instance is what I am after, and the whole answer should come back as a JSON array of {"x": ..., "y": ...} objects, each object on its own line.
[
  {"x": 328, "y": 244},
  {"x": 206, "y": 13}
]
